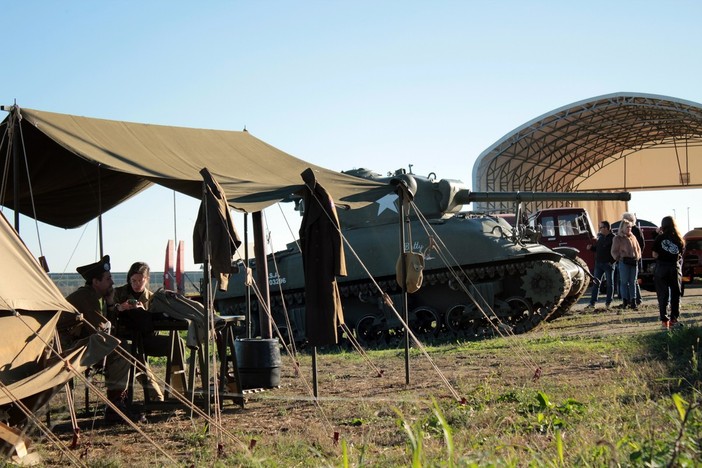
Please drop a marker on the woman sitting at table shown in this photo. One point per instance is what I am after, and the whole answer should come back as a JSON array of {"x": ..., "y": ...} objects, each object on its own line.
[{"x": 131, "y": 300}]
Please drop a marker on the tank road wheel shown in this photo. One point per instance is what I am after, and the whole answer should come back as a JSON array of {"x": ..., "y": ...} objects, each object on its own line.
[
  {"x": 369, "y": 331},
  {"x": 394, "y": 336},
  {"x": 459, "y": 317},
  {"x": 545, "y": 283},
  {"x": 523, "y": 317},
  {"x": 464, "y": 320},
  {"x": 424, "y": 322}
]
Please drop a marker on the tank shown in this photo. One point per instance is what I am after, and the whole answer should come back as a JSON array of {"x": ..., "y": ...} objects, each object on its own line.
[{"x": 481, "y": 276}]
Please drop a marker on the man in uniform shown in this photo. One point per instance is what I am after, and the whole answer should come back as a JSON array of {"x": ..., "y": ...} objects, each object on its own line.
[{"x": 95, "y": 301}]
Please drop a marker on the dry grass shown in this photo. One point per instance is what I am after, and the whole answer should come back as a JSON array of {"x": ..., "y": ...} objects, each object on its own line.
[{"x": 602, "y": 392}]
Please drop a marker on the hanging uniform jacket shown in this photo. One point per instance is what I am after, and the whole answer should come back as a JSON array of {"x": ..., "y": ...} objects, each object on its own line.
[
  {"x": 323, "y": 260},
  {"x": 214, "y": 222}
]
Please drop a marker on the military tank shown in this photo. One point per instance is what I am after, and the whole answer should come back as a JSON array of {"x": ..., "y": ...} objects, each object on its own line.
[{"x": 481, "y": 276}]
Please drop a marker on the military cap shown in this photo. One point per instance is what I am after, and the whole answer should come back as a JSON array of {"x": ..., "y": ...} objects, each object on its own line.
[{"x": 94, "y": 270}]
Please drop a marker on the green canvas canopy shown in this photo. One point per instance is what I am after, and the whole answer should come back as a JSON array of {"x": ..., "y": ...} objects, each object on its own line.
[{"x": 80, "y": 167}]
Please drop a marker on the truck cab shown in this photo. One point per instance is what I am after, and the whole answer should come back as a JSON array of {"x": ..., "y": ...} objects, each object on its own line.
[
  {"x": 566, "y": 227},
  {"x": 692, "y": 255}
]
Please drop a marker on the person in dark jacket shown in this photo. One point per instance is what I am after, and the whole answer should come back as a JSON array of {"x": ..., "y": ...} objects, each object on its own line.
[
  {"x": 667, "y": 250},
  {"x": 604, "y": 264}
]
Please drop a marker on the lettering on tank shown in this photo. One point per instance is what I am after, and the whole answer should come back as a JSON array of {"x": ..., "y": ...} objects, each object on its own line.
[{"x": 274, "y": 279}]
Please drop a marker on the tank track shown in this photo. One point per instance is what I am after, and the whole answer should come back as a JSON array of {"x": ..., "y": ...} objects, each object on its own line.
[
  {"x": 528, "y": 298},
  {"x": 574, "y": 296}
]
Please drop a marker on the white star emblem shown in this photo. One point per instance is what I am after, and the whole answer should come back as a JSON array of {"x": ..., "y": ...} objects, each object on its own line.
[{"x": 387, "y": 203}]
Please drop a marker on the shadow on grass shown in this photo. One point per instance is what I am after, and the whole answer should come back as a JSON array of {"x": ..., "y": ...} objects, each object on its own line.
[{"x": 680, "y": 350}]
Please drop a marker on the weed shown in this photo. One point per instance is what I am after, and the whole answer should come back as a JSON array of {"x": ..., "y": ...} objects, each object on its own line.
[
  {"x": 545, "y": 416},
  {"x": 198, "y": 437},
  {"x": 415, "y": 435}
]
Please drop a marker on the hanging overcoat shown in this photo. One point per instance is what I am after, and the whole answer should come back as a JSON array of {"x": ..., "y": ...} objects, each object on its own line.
[{"x": 323, "y": 260}]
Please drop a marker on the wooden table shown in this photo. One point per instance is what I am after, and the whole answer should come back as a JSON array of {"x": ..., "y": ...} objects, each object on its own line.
[{"x": 229, "y": 379}]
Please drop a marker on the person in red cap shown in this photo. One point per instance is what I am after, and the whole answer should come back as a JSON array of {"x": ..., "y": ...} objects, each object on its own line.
[{"x": 95, "y": 300}]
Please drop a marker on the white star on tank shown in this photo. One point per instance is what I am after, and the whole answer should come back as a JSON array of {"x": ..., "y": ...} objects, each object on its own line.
[{"x": 387, "y": 203}]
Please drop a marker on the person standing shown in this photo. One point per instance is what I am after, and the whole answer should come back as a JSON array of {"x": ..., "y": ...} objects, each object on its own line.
[
  {"x": 636, "y": 232},
  {"x": 626, "y": 251},
  {"x": 604, "y": 264},
  {"x": 667, "y": 250}
]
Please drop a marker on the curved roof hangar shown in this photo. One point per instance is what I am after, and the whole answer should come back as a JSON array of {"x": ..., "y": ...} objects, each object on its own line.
[{"x": 620, "y": 141}]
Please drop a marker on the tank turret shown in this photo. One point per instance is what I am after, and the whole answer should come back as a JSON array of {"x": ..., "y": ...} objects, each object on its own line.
[
  {"x": 480, "y": 277},
  {"x": 439, "y": 199}
]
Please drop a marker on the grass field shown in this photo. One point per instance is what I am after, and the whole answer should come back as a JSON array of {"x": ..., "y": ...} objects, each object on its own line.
[{"x": 592, "y": 388}]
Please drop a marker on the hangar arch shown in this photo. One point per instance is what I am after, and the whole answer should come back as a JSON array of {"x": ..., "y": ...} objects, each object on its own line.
[{"x": 614, "y": 142}]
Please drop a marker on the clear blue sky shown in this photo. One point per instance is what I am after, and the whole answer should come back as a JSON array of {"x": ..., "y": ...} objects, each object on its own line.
[{"x": 376, "y": 84}]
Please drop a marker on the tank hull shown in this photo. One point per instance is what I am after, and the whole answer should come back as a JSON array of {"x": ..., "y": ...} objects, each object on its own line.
[{"x": 477, "y": 282}]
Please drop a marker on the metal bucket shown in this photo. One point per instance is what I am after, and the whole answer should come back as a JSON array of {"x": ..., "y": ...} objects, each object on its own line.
[{"x": 259, "y": 362}]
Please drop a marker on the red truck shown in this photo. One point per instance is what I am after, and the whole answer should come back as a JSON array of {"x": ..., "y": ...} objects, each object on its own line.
[
  {"x": 566, "y": 227},
  {"x": 692, "y": 255}
]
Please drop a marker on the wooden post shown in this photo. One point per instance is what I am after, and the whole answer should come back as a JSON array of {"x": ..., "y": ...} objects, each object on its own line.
[{"x": 262, "y": 275}]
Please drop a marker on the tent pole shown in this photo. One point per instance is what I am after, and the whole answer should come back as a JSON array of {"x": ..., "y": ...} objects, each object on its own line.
[
  {"x": 100, "y": 210},
  {"x": 262, "y": 275},
  {"x": 405, "y": 312},
  {"x": 249, "y": 325},
  {"x": 206, "y": 285},
  {"x": 175, "y": 222},
  {"x": 14, "y": 143},
  {"x": 405, "y": 194}
]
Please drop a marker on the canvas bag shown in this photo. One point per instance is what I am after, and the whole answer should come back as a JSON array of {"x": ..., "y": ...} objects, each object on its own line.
[{"x": 414, "y": 270}]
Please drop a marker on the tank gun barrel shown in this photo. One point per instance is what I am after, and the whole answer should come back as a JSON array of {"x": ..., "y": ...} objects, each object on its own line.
[
  {"x": 440, "y": 198},
  {"x": 465, "y": 197}
]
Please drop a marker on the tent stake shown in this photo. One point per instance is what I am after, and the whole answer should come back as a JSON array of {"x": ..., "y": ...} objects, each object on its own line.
[{"x": 315, "y": 383}]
